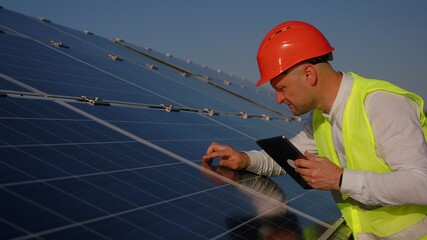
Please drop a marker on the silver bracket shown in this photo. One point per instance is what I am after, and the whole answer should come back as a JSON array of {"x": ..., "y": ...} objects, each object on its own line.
[
  {"x": 209, "y": 112},
  {"x": 115, "y": 57},
  {"x": 244, "y": 115},
  {"x": 168, "y": 108},
  {"x": 93, "y": 101},
  {"x": 58, "y": 44},
  {"x": 265, "y": 117},
  {"x": 151, "y": 66}
]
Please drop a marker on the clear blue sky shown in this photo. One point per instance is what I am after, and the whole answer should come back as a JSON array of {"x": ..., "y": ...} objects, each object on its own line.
[{"x": 384, "y": 39}]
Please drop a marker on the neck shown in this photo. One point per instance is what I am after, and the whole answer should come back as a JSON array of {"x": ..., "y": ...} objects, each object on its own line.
[{"x": 330, "y": 82}]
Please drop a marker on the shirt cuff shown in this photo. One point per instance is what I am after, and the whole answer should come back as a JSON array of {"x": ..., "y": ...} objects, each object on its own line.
[{"x": 352, "y": 182}]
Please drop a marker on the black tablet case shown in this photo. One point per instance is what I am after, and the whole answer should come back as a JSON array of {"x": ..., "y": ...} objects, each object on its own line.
[{"x": 281, "y": 149}]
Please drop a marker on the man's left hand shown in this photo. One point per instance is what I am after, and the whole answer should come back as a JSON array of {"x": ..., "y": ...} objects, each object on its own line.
[{"x": 319, "y": 172}]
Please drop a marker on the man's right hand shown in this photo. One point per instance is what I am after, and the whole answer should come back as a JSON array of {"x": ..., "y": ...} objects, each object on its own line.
[{"x": 230, "y": 157}]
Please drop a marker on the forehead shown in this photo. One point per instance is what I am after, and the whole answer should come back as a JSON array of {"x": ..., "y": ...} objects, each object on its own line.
[
  {"x": 283, "y": 77},
  {"x": 277, "y": 80}
]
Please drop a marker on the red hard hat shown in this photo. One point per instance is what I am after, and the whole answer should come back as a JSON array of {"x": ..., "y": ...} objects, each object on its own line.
[{"x": 287, "y": 44}]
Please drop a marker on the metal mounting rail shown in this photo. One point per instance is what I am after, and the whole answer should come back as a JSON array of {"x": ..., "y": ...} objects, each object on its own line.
[
  {"x": 197, "y": 76},
  {"x": 97, "y": 101}
]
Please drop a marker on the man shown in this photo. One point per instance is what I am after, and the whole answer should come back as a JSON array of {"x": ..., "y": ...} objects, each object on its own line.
[{"x": 365, "y": 139}]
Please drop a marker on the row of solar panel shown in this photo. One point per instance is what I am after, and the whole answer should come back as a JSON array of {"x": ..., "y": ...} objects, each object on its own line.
[{"x": 72, "y": 169}]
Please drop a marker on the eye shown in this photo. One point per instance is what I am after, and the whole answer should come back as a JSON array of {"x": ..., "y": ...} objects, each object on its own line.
[{"x": 282, "y": 88}]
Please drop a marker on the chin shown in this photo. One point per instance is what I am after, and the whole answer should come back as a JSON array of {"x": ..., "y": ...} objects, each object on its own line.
[{"x": 298, "y": 113}]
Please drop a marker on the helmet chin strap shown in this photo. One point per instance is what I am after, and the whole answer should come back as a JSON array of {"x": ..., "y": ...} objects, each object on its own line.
[{"x": 324, "y": 58}]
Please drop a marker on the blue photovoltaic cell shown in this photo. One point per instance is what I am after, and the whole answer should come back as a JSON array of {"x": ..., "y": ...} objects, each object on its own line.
[{"x": 73, "y": 170}]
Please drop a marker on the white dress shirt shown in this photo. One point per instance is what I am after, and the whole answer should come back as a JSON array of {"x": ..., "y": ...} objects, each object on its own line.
[{"x": 400, "y": 143}]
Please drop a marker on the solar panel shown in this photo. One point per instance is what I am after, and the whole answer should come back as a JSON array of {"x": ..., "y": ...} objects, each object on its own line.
[{"x": 100, "y": 141}]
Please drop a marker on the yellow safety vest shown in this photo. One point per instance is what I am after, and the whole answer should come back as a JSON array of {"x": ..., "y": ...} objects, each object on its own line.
[{"x": 359, "y": 144}]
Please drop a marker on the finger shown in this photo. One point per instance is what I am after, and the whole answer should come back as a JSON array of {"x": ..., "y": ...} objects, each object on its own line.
[
  {"x": 302, "y": 163},
  {"x": 216, "y": 154},
  {"x": 211, "y": 147},
  {"x": 303, "y": 171},
  {"x": 224, "y": 163},
  {"x": 216, "y": 147}
]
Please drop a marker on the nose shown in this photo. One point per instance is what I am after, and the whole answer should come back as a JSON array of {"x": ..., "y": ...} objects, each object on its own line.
[{"x": 280, "y": 97}]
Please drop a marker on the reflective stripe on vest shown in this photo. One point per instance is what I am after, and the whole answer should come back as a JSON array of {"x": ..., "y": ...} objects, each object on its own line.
[{"x": 359, "y": 144}]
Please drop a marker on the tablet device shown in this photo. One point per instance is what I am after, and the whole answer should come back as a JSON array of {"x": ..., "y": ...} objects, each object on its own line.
[{"x": 284, "y": 153}]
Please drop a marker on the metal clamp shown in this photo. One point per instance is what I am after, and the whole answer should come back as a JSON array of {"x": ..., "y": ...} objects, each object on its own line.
[
  {"x": 209, "y": 112},
  {"x": 168, "y": 108},
  {"x": 244, "y": 115},
  {"x": 115, "y": 57},
  {"x": 58, "y": 44},
  {"x": 265, "y": 117},
  {"x": 93, "y": 101}
]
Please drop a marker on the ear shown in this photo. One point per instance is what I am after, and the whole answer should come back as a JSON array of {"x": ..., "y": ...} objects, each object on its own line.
[{"x": 310, "y": 75}]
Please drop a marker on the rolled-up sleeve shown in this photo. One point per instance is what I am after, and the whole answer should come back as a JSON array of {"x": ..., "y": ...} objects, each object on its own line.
[{"x": 263, "y": 164}]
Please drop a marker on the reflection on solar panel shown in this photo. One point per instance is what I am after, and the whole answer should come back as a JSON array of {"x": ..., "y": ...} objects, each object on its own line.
[{"x": 103, "y": 139}]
